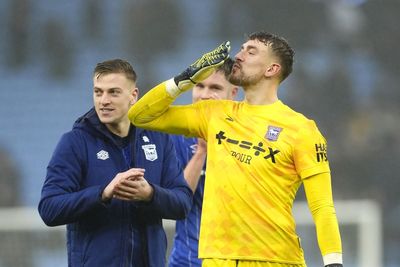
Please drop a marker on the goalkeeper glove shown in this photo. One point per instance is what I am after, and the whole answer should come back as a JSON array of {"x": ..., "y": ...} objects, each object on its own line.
[
  {"x": 334, "y": 265},
  {"x": 203, "y": 67}
]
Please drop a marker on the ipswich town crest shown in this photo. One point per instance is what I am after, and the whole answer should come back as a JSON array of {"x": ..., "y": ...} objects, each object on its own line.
[
  {"x": 273, "y": 133},
  {"x": 150, "y": 152}
]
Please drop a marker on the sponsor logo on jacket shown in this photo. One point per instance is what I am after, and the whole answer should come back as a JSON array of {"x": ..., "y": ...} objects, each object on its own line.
[{"x": 103, "y": 155}]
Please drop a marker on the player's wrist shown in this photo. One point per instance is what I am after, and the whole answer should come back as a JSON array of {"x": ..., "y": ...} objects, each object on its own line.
[
  {"x": 333, "y": 260},
  {"x": 172, "y": 88},
  {"x": 183, "y": 80},
  {"x": 202, "y": 67},
  {"x": 150, "y": 193},
  {"x": 105, "y": 198}
]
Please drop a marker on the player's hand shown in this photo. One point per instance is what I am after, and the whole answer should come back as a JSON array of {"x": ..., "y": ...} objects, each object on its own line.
[
  {"x": 114, "y": 187},
  {"x": 134, "y": 189},
  {"x": 334, "y": 265},
  {"x": 202, "y": 67}
]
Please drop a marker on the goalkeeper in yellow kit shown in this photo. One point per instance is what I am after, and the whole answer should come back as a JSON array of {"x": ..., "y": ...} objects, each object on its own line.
[{"x": 259, "y": 153}]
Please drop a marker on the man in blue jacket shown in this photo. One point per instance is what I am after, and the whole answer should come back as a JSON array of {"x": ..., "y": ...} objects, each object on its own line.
[{"x": 112, "y": 183}]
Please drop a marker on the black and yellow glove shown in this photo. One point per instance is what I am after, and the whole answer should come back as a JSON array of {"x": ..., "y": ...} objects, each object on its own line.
[
  {"x": 334, "y": 265},
  {"x": 203, "y": 67}
]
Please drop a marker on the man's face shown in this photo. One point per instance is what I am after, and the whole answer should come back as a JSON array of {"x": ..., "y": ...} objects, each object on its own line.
[
  {"x": 214, "y": 87},
  {"x": 113, "y": 95},
  {"x": 251, "y": 63}
]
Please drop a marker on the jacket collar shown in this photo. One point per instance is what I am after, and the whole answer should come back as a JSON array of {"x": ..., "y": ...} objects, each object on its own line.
[{"x": 90, "y": 122}]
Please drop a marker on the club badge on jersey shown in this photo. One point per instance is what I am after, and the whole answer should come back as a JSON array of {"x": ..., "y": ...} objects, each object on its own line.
[
  {"x": 273, "y": 133},
  {"x": 150, "y": 152}
]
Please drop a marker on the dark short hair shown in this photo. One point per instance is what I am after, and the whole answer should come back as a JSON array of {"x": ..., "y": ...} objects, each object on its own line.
[
  {"x": 115, "y": 66},
  {"x": 280, "y": 47},
  {"x": 226, "y": 67}
]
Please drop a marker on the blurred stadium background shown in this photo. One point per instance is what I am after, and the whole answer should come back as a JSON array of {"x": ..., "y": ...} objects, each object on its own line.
[{"x": 346, "y": 77}]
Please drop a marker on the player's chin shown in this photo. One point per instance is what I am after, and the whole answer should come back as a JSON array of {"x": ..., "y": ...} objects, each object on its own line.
[
  {"x": 106, "y": 119},
  {"x": 235, "y": 79}
]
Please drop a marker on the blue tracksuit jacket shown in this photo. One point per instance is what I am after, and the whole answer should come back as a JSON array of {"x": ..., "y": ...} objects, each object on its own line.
[
  {"x": 185, "y": 249},
  {"x": 85, "y": 160}
]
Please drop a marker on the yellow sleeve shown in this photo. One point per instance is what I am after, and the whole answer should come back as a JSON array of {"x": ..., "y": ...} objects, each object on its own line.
[
  {"x": 310, "y": 151},
  {"x": 320, "y": 202},
  {"x": 154, "y": 111}
]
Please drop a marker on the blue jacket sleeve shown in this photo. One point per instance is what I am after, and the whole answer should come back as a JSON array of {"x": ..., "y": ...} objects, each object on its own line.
[
  {"x": 62, "y": 199},
  {"x": 172, "y": 199}
]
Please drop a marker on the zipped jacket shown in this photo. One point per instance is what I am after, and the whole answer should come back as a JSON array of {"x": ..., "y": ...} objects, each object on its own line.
[{"x": 102, "y": 234}]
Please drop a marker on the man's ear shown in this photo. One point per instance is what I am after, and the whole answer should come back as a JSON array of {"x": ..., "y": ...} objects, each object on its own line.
[
  {"x": 272, "y": 70},
  {"x": 235, "y": 91},
  {"x": 135, "y": 95}
]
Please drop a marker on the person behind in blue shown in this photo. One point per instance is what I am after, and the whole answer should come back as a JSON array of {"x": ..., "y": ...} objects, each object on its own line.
[
  {"x": 112, "y": 183},
  {"x": 192, "y": 154}
]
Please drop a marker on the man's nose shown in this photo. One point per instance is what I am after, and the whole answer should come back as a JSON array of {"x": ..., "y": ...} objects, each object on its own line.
[
  {"x": 239, "y": 56},
  {"x": 105, "y": 99},
  {"x": 206, "y": 94}
]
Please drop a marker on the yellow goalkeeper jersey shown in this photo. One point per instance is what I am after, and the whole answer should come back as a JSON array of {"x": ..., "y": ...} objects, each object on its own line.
[{"x": 257, "y": 157}]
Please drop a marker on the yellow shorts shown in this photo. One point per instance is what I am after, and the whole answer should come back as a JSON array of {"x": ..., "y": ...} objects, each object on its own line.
[{"x": 245, "y": 263}]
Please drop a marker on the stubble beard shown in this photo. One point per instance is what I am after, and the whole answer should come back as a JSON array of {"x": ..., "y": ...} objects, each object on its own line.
[{"x": 239, "y": 79}]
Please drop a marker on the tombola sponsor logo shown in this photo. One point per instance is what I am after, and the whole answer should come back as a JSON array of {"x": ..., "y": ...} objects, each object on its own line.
[{"x": 258, "y": 149}]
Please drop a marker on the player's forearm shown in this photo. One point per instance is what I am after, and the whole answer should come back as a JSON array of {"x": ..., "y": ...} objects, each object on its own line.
[
  {"x": 58, "y": 207},
  {"x": 155, "y": 112},
  {"x": 328, "y": 236},
  {"x": 157, "y": 100},
  {"x": 151, "y": 106},
  {"x": 319, "y": 198},
  {"x": 170, "y": 203},
  {"x": 147, "y": 112},
  {"x": 193, "y": 170}
]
